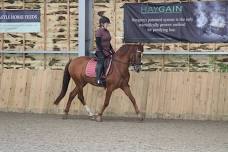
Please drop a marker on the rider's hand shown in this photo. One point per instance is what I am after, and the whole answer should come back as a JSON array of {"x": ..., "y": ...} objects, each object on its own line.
[{"x": 112, "y": 52}]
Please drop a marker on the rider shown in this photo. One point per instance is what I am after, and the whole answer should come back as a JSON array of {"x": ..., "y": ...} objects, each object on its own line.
[{"x": 103, "y": 46}]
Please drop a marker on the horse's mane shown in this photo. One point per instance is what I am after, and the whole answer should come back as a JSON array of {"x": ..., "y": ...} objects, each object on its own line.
[{"x": 124, "y": 48}]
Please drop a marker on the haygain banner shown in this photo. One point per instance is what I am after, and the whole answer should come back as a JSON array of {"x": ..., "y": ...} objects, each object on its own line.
[
  {"x": 21, "y": 21},
  {"x": 173, "y": 22}
]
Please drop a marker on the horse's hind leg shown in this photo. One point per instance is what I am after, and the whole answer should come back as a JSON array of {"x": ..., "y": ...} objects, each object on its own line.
[
  {"x": 81, "y": 98},
  {"x": 71, "y": 97},
  {"x": 127, "y": 91}
]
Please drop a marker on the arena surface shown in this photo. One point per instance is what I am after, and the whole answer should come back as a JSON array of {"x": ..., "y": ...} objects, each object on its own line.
[{"x": 50, "y": 133}]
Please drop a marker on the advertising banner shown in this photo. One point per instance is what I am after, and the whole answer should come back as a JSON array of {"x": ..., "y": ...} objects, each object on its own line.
[
  {"x": 20, "y": 21},
  {"x": 176, "y": 22}
]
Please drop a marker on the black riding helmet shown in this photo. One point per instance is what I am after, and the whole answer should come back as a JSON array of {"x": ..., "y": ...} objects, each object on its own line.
[{"x": 103, "y": 20}]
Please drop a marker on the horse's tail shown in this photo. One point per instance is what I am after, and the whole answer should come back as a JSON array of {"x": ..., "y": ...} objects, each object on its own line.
[{"x": 66, "y": 80}]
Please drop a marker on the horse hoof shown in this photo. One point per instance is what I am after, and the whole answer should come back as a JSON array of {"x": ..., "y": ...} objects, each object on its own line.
[
  {"x": 65, "y": 117},
  {"x": 141, "y": 116},
  {"x": 99, "y": 118},
  {"x": 92, "y": 117}
]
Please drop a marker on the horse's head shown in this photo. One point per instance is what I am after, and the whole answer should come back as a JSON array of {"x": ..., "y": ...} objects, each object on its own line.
[
  {"x": 136, "y": 57},
  {"x": 130, "y": 54}
]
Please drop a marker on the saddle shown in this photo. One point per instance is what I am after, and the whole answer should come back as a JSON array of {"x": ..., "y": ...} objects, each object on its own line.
[{"x": 91, "y": 68}]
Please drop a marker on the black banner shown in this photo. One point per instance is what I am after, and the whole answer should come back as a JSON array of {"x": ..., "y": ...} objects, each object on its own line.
[{"x": 176, "y": 22}]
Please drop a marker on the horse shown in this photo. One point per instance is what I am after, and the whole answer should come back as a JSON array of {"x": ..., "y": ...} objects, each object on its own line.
[{"x": 118, "y": 77}]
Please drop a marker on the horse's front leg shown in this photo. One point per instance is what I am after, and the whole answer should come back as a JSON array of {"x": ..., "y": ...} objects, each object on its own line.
[
  {"x": 106, "y": 103},
  {"x": 127, "y": 91}
]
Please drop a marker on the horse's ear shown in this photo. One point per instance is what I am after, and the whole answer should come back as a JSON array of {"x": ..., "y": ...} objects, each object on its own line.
[{"x": 141, "y": 46}]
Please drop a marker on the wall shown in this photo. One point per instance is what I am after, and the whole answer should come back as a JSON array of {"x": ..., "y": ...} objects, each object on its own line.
[
  {"x": 168, "y": 95},
  {"x": 59, "y": 32}
]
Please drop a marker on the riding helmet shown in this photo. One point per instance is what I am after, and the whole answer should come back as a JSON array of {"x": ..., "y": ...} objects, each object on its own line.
[{"x": 103, "y": 20}]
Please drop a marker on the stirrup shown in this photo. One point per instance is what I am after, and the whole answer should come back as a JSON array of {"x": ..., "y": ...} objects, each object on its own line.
[{"x": 99, "y": 82}]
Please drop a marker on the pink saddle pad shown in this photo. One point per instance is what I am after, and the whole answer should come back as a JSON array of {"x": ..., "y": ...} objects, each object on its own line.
[{"x": 91, "y": 68}]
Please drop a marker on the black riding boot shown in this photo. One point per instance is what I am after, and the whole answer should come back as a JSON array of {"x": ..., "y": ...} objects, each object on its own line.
[{"x": 100, "y": 66}]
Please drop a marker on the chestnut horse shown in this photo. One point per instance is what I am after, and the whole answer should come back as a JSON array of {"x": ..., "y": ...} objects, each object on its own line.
[{"x": 118, "y": 77}]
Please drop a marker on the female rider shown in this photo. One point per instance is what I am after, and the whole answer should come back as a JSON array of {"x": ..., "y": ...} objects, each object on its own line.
[{"x": 103, "y": 47}]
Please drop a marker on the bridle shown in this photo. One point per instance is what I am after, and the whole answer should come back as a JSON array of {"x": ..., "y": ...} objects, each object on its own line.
[{"x": 135, "y": 62}]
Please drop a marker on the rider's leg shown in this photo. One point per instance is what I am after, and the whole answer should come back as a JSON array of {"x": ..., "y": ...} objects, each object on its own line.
[{"x": 100, "y": 66}]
